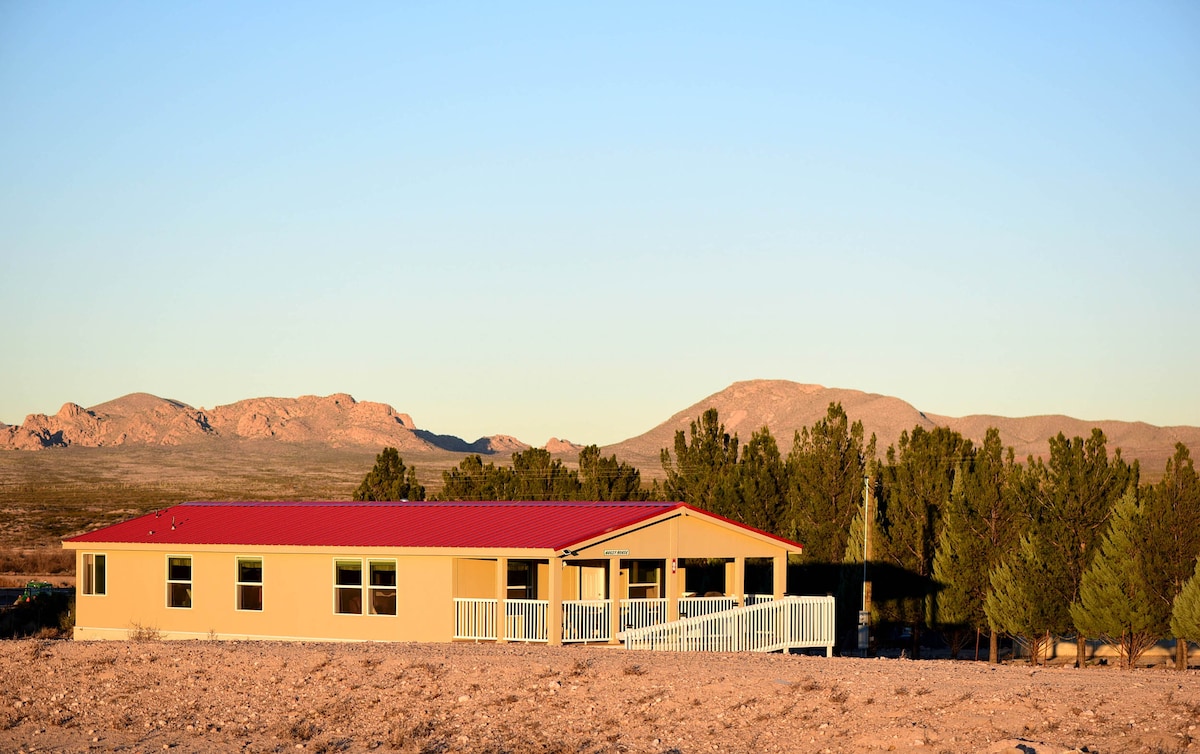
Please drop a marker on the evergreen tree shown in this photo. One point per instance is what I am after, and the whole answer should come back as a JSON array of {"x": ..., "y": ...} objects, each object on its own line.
[
  {"x": 1017, "y": 604},
  {"x": 390, "y": 480},
  {"x": 825, "y": 472},
  {"x": 917, "y": 482},
  {"x": 1115, "y": 603},
  {"x": 1172, "y": 516},
  {"x": 475, "y": 480},
  {"x": 761, "y": 481},
  {"x": 539, "y": 476},
  {"x": 981, "y": 522},
  {"x": 704, "y": 470},
  {"x": 1185, "y": 615},
  {"x": 1070, "y": 504},
  {"x": 603, "y": 478}
]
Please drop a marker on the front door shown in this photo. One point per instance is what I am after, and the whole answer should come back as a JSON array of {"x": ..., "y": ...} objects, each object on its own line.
[{"x": 593, "y": 582}]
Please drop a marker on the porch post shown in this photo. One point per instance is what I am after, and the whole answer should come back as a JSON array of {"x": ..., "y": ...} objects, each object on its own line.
[
  {"x": 779, "y": 575},
  {"x": 554, "y": 612},
  {"x": 501, "y": 597},
  {"x": 671, "y": 575},
  {"x": 614, "y": 597},
  {"x": 739, "y": 580}
]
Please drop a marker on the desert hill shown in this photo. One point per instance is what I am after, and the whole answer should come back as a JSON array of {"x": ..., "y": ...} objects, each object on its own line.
[
  {"x": 782, "y": 406},
  {"x": 785, "y": 407},
  {"x": 141, "y": 419},
  {"x": 340, "y": 421}
]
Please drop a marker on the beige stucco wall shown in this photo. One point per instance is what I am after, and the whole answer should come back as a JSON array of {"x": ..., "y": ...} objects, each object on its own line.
[
  {"x": 475, "y": 578},
  {"x": 686, "y": 537},
  {"x": 298, "y": 598}
]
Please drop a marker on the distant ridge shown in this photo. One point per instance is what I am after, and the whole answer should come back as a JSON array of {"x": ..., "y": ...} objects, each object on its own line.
[
  {"x": 142, "y": 419},
  {"x": 786, "y": 407},
  {"x": 339, "y": 420}
]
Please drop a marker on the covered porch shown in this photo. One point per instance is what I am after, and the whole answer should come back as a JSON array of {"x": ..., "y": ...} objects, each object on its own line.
[{"x": 572, "y": 599}]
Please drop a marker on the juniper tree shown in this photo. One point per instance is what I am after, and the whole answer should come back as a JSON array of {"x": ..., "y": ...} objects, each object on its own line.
[
  {"x": 917, "y": 481},
  {"x": 703, "y": 471},
  {"x": 1172, "y": 514},
  {"x": 761, "y": 481},
  {"x": 539, "y": 476},
  {"x": 1070, "y": 503},
  {"x": 1017, "y": 604},
  {"x": 475, "y": 480},
  {"x": 825, "y": 471},
  {"x": 981, "y": 523},
  {"x": 389, "y": 479},
  {"x": 603, "y": 478},
  {"x": 1185, "y": 614},
  {"x": 1115, "y": 603}
]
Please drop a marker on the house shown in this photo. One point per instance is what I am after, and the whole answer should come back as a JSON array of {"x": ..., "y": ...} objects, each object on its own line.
[{"x": 558, "y": 572}]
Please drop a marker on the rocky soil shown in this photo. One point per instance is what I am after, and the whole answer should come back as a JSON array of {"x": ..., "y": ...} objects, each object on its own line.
[{"x": 253, "y": 697}]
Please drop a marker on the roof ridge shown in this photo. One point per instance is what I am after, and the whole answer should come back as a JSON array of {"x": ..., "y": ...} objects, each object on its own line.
[{"x": 430, "y": 503}]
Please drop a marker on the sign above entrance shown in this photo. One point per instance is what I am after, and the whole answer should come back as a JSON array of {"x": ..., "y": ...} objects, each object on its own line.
[{"x": 616, "y": 552}]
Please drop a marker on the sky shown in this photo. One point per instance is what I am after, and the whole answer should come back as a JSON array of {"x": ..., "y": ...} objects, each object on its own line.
[{"x": 574, "y": 220}]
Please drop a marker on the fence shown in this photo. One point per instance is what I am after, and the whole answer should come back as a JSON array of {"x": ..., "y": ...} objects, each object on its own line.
[
  {"x": 636, "y": 613},
  {"x": 790, "y": 623},
  {"x": 693, "y": 607},
  {"x": 474, "y": 619},
  {"x": 587, "y": 620},
  {"x": 712, "y": 624}
]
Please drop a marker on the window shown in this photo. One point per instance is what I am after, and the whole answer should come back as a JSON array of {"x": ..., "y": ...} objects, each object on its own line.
[
  {"x": 95, "y": 581},
  {"x": 378, "y": 592},
  {"x": 522, "y": 580},
  {"x": 383, "y": 587},
  {"x": 645, "y": 577},
  {"x": 347, "y": 589},
  {"x": 249, "y": 584},
  {"x": 179, "y": 581}
]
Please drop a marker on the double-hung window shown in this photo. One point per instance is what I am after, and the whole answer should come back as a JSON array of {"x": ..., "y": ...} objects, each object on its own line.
[
  {"x": 249, "y": 584},
  {"x": 179, "y": 581},
  {"x": 382, "y": 587},
  {"x": 95, "y": 573},
  {"x": 351, "y": 591},
  {"x": 347, "y": 587}
]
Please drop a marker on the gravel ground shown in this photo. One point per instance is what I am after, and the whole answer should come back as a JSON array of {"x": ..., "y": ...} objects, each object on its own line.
[{"x": 257, "y": 697}]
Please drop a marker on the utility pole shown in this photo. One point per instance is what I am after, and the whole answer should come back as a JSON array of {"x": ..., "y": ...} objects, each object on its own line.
[{"x": 864, "y": 615}]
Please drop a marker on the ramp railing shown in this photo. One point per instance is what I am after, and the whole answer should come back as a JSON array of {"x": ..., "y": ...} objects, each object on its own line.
[{"x": 778, "y": 625}]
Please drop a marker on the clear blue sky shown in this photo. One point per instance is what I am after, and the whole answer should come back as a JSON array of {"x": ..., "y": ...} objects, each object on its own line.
[{"x": 571, "y": 220}]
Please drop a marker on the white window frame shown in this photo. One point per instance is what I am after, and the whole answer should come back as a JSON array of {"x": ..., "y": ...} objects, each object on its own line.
[
  {"x": 190, "y": 582},
  {"x": 367, "y": 592},
  {"x": 88, "y": 586},
  {"x": 381, "y": 590},
  {"x": 338, "y": 588},
  {"x": 239, "y": 584}
]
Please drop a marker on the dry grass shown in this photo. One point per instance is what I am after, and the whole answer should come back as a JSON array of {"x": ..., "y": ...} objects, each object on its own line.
[
  {"x": 40, "y": 561},
  {"x": 47, "y": 495}
]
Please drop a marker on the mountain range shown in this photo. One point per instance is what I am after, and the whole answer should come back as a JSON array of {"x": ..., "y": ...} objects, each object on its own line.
[{"x": 341, "y": 421}]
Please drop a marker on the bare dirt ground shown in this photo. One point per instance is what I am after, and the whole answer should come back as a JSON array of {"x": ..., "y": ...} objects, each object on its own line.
[{"x": 256, "y": 697}]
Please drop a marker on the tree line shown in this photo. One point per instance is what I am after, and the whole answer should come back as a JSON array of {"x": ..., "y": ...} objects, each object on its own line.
[{"x": 959, "y": 538}]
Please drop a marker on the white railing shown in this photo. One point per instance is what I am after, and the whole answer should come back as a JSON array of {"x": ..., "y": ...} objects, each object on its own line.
[
  {"x": 756, "y": 599},
  {"x": 474, "y": 619},
  {"x": 641, "y": 612},
  {"x": 779, "y": 625},
  {"x": 694, "y": 607},
  {"x": 525, "y": 620},
  {"x": 586, "y": 620}
]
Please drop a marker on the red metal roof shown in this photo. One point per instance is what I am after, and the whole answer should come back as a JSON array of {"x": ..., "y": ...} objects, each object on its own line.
[{"x": 533, "y": 525}]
